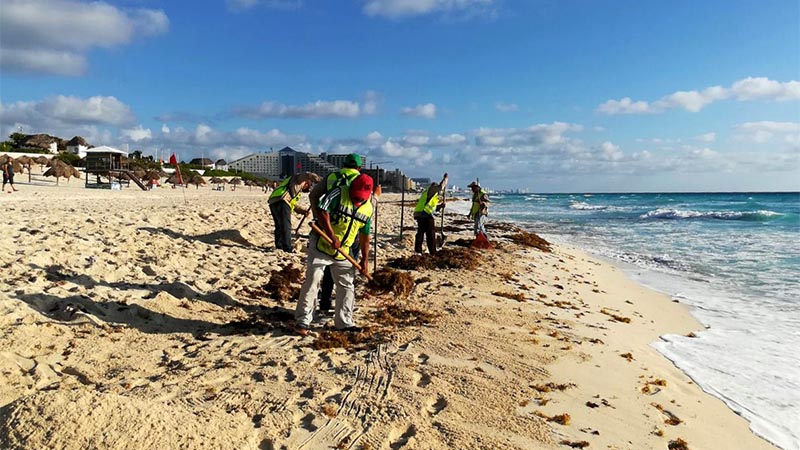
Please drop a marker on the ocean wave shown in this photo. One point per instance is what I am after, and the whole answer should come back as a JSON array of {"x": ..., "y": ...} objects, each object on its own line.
[
  {"x": 537, "y": 198},
  {"x": 581, "y": 206},
  {"x": 675, "y": 214}
]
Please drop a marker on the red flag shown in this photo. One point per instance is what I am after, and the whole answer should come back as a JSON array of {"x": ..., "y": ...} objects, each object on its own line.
[{"x": 174, "y": 161}]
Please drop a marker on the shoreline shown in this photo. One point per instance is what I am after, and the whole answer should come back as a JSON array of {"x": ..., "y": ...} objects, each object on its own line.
[
  {"x": 153, "y": 339},
  {"x": 658, "y": 282}
]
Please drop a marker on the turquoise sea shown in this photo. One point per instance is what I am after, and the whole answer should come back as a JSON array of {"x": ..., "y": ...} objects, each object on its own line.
[{"x": 733, "y": 257}]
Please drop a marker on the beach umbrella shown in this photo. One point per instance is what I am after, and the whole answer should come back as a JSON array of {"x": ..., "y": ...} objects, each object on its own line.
[
  {"x": 151, "y": 175},
  {"x": 76, "y": 173},
  {"x": 235, "y": 182},
  {"x": 173, "y": 179},
  {"x": 26, "y": 161},
  {"x": 42, "y": 160},
  {"x": 197, "y": 180},
  {"x": 139, "y": 172},
  {"x": 59, "y": 171}
]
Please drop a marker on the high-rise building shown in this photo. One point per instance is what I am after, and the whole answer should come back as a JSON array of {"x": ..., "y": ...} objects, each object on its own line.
[{"x": 286, "y": 162}]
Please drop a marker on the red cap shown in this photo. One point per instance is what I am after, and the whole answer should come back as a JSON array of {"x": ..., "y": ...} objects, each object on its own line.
[{"x": 361, "y": 188}]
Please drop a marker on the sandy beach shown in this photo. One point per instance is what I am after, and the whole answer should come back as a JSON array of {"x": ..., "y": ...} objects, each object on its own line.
[{"x": 147, "y": 320}]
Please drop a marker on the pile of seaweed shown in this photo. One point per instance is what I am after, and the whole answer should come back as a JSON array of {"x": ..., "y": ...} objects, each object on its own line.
[
  {"x": 389, "y": 317},
  {"x": 461, "y": 242},
  {"x": 449, "y": 258},
  {"x": 531, "y": 240},
  {"x": 390, "y": 280},
  {"x": 283, "y": 285}
]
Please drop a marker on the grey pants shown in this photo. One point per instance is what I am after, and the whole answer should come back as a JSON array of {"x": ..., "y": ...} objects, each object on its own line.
[
  {"x": 480, "y": 224},
  {"x": 343, "y": 275}
]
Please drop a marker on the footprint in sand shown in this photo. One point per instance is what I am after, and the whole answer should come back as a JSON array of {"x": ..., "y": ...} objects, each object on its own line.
[
  {"x": 422, "y": 379},
  {"x": 434, "y": 408},
  {"x": 290, "y": 376},
  {"x": 398, "y": 442},
  {"x": 422, "y": 358}
]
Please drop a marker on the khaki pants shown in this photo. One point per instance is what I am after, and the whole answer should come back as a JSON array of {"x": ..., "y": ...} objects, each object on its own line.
[{"x": 343, "y": 275}]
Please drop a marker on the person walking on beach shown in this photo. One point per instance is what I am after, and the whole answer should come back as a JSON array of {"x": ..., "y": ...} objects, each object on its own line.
[
  {"x": 480, "y": 208},
  {"x": 427, "y": 204},
  {"x": 8, "y": 174},
  {"x": 283, "y": 201},
  {"x": 342, "y": 177},
  {"x": 345, "y": 216}
]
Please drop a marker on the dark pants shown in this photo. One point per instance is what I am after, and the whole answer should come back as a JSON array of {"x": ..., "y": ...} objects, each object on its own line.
[
  {"x": 326, "y": 290},
  {"x": 282, "y": 216},
  {"x": 427, "y": 229}
]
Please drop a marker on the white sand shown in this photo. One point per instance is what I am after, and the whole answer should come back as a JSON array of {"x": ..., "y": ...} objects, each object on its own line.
[{"x": 113, "y": 309}]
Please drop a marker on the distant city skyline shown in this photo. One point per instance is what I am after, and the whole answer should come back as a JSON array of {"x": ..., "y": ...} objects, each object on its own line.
[{"x": 544, "y": 95}]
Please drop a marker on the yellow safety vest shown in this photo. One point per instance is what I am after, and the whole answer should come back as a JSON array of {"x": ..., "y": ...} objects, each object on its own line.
[
  {"x": 346, "y": 221},
  {"x": 476, "y": 205},
  {"x": 283, "y": 189},
  {"x": 342, "y": 177},
  {"x": 425, "y": 204}
]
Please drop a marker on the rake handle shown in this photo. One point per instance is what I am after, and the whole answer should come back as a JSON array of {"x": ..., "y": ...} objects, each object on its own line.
[{"x": 341, "y": 252}]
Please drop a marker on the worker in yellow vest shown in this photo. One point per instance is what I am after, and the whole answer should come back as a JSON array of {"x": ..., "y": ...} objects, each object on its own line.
[
  {"x": 345, "y": 216},
  {"x": 283, "y": 201},
  {"x": 427, "y": 205},
  {"x": 342, "y": 177},
  {"x": 479, "y": 209}
]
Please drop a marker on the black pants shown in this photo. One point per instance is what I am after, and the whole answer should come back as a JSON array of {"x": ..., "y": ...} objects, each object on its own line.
[
  {"x": 425, "y": 229},
  {"x": 282, "y": 216}
]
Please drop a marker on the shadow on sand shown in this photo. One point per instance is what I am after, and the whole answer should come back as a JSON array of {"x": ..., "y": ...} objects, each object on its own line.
[
  {"x": 225, "y": 238},
  {"x": 260, "y": 319}
]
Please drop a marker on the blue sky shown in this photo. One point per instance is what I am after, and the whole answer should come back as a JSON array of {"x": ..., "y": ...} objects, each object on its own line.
[{"x": 551, "y": 96}]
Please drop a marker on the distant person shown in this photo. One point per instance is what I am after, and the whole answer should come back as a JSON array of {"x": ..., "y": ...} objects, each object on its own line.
[
  {"x": 345, "y": 217},
  {"x": 283, "y": 202},
  {"x": 8, "y": 174},
  {"x": 342, "y": 177},
  {"x": 427, "y": 205},
  {"x": 479, "y": 209}
]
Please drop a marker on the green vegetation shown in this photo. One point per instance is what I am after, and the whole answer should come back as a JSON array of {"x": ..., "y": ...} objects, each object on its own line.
[{"x": 70, "y": 158}]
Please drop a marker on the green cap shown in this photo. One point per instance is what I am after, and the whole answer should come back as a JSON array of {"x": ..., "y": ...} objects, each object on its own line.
[{"x": 353, "y": 161}]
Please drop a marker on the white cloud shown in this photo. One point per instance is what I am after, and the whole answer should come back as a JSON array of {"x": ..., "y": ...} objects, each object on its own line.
[
  {"x": 318, "y": 109},
  {"x": 397, "y": 9},
  {"x": 610, "y": 151},
  {"x": 164, "y": 129},
  {"x": 450, "y": 139},
  {"x": 54, "y": 36},
  {"x": 244, "y": 5},
  {"x": 540, "y": 134},
  {"x": 765, "y": 89},
  {"x": 693, "y": 101},
  {"x": 707, "y": 137},
  {"x": 765, "y": 131},
  {"x": 137, "y": 134},
  {"x": 624, "y": 106},
  {"x": 63, "y": 113},
  {"x": 506, "y": 107},
  {"x": 374, "y": 138},
  {"x": 410, "y": 154},
  {"x": 426, "y": 111}
]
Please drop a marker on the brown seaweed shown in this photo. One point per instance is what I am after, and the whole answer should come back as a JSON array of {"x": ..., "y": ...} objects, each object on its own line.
[
  {"x": 512, "y": 296},
  {"x": 444, "y": 259},
  {"x": 390, "y": 280},
  {"x": 531, "y": 240}
]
